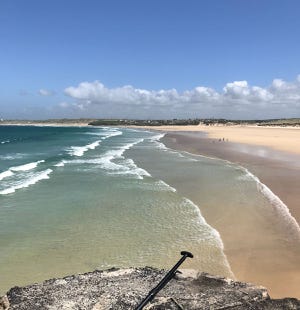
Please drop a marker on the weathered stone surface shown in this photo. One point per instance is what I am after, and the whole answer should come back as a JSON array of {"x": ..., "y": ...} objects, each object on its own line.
[
  {"x": 125, "y": 288},
  {"x": 4, "y": 303}
]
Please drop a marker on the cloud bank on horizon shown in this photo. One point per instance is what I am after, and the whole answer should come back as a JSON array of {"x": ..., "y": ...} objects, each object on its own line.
[{"x": 237, "y": 100}]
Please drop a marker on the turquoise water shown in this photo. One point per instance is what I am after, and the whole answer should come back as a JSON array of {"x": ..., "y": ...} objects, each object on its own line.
[{"x": 75, "y": 199}]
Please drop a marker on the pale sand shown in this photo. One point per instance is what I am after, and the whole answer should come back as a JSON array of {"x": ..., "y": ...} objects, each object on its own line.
[
  {"x": 280, "y": 138},
  {"x": 254, "y": 254}
]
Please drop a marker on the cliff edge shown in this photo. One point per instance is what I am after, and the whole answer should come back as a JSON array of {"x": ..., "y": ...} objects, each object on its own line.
[{"x": 125, "y": 288}]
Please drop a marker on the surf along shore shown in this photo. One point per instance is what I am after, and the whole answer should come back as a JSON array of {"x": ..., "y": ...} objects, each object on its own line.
[
  {"x": 256, "y": 254},
  {"x": 271, "y": 154}
]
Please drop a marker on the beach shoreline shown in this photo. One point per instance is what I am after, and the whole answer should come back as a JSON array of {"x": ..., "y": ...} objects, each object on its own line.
[
  {"x": 275, "y": 167},
  {"x": 256, "y": 148},
  {"x": 252, "y": 249},
  {"x": 276, "y": 137},
  {"x": 279, "y": 170}
]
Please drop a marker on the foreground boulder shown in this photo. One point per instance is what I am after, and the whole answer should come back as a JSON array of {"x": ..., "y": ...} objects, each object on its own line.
[{"x": 125, "y": 288}]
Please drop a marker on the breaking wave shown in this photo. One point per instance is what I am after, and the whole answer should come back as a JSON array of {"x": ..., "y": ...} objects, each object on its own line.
[
  {"x": 60, "y": 164},
  {"x": 5, "y": 141},
  {"x": 279, "y": 206},
  {"x": 164, "y": 186},
  {"x": 80, "y": 150},
  {"x": 26, "y": 167},
  {"x": 6, "y": 174},
  {"x": 32, "y": 179},
  {"x": 113, "y": 162},
  {"x": 212, "y": 234}
]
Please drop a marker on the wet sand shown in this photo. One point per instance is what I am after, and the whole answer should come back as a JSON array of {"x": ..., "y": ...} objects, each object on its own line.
[
  {"x": 279, "y": 170},
  {"x": 255, "y": 255}
]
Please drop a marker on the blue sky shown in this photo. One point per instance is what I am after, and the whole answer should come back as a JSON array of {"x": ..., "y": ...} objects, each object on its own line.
[{"x": 213, "y": 58}]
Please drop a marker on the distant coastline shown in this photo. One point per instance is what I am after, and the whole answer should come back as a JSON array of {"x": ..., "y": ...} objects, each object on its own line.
[
  {"x": 50, "y": 122},
  {"x": 285, "y": 122}
]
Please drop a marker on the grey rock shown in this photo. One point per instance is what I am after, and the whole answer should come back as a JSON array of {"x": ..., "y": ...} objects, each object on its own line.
[{"x": 125, "y": 288}]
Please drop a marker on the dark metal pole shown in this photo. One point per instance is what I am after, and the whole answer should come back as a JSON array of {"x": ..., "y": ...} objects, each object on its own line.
[{"x": 164, "y": 281}]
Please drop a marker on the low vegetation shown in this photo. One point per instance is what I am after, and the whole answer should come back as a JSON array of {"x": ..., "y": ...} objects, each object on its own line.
[
  {"x": 171, "y": 122},
  {"x": 129, "y": 122},
  {"x": 183, "y": 122}
]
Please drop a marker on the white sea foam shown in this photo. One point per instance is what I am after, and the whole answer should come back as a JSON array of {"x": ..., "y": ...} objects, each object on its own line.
[
  {"x": 106, "y": 134},
  {"x": 138, "y": 130},
  {"x": 245, "y": 177},
  {"x": 279, "y": 206},
  {"x": 5, "y": 141},
  {"x": 157, "y": 137},
  {"x": 122, "y": 166},
  {"x": 158, "y": 144},
  {"x": 164, "y": 185},
  {"x": 6, "y": 174},
  {"x": 213, "y": 234},
  {"x": 60, "y": 164},
  {"x": 128, "y": 167},
  {"x": 80, "y": 150},
  {"x": 113, "y": 162},
  {"x": 158, "y": 186},
  {"x": 26, "y": 167},
  {"x": 110, "y": 134},
  {"x": 119, "y": 152},
  {"x": 162, "y": 147},
  {"x": 32, "y": 179},
  {"x": 12, "y": 156}
]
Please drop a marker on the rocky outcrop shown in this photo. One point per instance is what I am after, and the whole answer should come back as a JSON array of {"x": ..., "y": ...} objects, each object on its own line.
[{"x": 125, "y": 288}]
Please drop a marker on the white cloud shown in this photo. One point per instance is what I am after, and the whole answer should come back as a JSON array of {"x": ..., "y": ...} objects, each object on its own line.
[
  {"x": 64, "y": 104},
  {"x": 238, "y": 99},
  {"x": 237, "y": 89},
  {"x": 97, "y": 93},
  {"x": 45, "y": 92},
  {"x": 278, "y": 84}
]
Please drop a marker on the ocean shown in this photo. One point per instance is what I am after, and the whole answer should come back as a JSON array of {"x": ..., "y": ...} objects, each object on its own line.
[{"x": 75, "y": 199}]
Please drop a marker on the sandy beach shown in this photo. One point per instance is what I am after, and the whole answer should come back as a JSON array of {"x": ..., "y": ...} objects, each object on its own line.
[
  {"x": 273, "y": 155},
  {"x": 279, "y": 138},
  {"x": 254, "y": 246}
]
